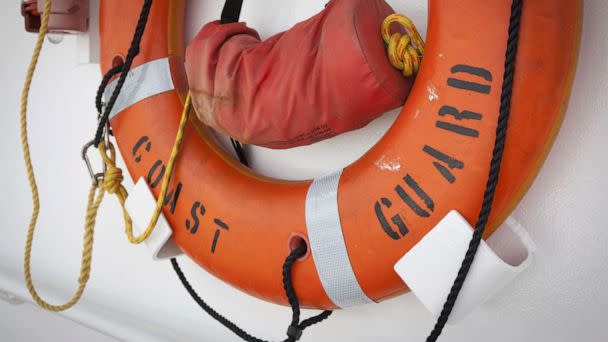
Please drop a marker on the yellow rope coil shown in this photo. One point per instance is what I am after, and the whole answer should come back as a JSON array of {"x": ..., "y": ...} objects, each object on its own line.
[
  {"x": 112, "y": 183},
  {"x": 404, "y": 51}
]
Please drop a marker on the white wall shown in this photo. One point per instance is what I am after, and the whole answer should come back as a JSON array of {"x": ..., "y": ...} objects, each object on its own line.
[
  {"x": 17, "y": 324},
  {"x": 561, "y": 297}
]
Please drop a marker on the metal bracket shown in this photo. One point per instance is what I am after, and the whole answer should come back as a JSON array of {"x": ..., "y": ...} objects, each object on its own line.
[{"x": 67, "y": 16}]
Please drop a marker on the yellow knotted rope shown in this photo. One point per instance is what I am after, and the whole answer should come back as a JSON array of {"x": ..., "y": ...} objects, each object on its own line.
[
  {"x": 112, "y": 183},
  {"x": 404, "y": 51}
]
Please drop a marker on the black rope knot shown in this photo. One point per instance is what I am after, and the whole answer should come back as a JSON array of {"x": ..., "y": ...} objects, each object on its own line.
[
  {"x": 295, "y": 329},
  {"x": 294, "y": 332}
]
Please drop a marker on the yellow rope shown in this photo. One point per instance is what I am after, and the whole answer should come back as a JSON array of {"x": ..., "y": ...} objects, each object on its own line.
[
  {"x": 92, "y": 204},
  {"x": 113, "y": 177},
  {"x": 111, "y": 183},
  {"x": 404, "y": 51}
]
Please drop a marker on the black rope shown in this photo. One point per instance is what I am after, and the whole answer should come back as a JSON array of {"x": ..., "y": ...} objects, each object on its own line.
[
  {"x": 499, "y": 147},
  {"x": 231, "y": 11},
  {"x": 295, "y": 329},
  {"x": 131, "y": 54},
  {"x": 102, "y": 86},
  {"x": 240, "y": 151}
]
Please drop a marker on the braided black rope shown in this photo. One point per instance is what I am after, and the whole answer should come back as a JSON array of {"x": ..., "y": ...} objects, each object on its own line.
[
  {"x": 499, "y": 147},
  {"x": 131, "y": 54},
  {"x": 102, "y": 86},
  {"x": 295, "y": 329}
]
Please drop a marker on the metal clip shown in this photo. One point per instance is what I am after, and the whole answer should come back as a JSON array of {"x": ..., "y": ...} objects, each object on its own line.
[{"x": 94, "y": 176}]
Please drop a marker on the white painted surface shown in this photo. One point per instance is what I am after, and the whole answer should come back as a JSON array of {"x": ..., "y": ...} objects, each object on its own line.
[
  {"x": 27, "y": 322},
  {"x": 561, "y": 297}
]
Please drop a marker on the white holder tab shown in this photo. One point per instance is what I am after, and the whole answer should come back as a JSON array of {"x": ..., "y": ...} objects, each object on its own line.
[
  {"x": 140, "y": 205},
  {"x": 430, "y": 267}
]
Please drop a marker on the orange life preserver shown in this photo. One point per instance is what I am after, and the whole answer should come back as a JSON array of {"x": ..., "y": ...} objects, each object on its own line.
[{"x": 358, "y": 222}]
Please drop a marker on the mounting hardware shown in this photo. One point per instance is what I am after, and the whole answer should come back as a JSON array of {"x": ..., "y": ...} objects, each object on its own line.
[{"x": 67, "y": 16}]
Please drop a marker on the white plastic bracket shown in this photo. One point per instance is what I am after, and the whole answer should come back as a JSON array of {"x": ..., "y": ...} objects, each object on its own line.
[
  {"x": 430, "y": 267},
  {"x": 140, "y": 205}
]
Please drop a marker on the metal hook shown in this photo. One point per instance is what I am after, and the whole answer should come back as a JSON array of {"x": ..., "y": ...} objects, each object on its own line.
[{"x": 95, "y": 177}]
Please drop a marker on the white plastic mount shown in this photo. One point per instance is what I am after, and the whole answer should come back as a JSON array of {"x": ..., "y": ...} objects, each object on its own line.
[
  {"x": 140, "y": 205},
  {"x": 430, "y": 267}
]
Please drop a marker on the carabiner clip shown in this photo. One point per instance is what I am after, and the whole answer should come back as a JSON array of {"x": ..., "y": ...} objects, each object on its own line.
[{"x": 95, "y": 177}]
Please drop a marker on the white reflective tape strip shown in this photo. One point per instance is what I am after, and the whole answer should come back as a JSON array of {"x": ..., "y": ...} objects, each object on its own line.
[
  {"x": 327, "y": 243},
  {"x": 430, "y": 267},
  {"x": 146, "y": 80}
]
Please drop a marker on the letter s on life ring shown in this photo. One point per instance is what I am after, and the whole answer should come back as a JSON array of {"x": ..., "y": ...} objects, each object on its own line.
[{"x": 358, "y": 222}]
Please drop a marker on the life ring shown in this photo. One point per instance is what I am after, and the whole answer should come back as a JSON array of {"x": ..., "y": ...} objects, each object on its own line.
[{"x": 357, "y": 222}]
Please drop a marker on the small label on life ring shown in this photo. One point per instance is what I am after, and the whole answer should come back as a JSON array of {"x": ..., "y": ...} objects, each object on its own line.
[
  {"x": 140, "y": 205},
  {"x": 430, "y": 267}
]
